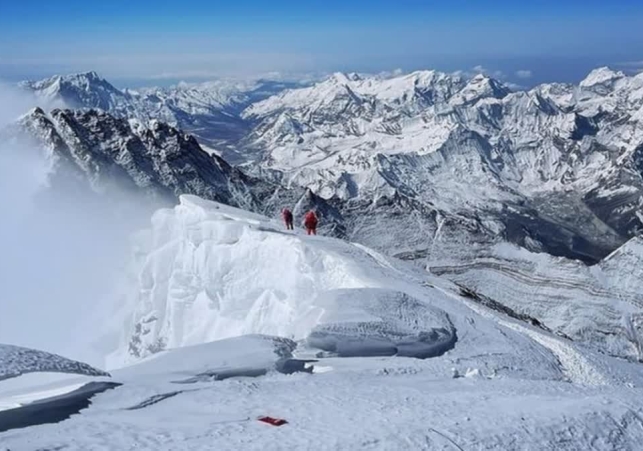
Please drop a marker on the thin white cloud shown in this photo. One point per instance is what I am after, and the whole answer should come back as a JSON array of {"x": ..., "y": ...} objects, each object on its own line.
[
  {"x": 631, "y": 67},
  {"x": 197, "y": 78},
  {"x": 169, "y": 66},
  {"x": 514, "y": 86},
  {"x": 479, "y": 69},
  {"x": 635, "y": 64},
  {"x": 524, "y": 74},
  {"x": 388, "y": 73},
  {"x": 497, "y": 74},
  {"x": 185, "y": 74}
]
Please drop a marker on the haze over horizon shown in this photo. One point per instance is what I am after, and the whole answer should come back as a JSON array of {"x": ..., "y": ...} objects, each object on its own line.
[
  {"x": 161, "y": 43},
  {"x": 335, "y": 226}
]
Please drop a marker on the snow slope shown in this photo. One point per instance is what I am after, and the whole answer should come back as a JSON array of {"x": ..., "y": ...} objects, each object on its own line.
[
  {"x": 205, "y": 271},
  {"x": 600, "y": 305},
  {"x": 359, "y": 406},
  {"x": 232, "y": 357}
]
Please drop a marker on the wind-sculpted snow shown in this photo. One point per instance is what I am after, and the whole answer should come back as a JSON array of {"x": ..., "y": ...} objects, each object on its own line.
[
  {"x": 393, "y": 323},
  {"x": 600, "y": 306},
  {"x": 207, "y": 272},
  {"x": 249, "y": 355},
  {"x": 15, "y": 361}
]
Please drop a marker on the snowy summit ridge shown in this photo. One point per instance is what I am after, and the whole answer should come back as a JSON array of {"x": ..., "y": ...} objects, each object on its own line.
[{"x": 238, "y": 273}]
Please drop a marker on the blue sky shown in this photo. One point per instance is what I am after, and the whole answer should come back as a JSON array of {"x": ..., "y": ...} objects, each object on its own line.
[{"x": 142, "y": 41}]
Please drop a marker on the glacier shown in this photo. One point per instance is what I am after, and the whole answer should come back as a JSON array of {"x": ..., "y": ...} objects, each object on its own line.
[{"x": 598, "y": 305}]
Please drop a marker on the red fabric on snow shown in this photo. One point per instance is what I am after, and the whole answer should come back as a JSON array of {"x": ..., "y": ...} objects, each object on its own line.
[{"x": 273, "y": 421}]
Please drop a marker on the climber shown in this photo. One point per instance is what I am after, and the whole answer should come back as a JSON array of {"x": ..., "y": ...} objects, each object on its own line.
[
  {"x": 310, "y": 223},
  {"x": 287, "y": 216}
]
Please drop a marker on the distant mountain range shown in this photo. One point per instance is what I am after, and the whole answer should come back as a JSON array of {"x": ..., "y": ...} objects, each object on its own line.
[
  {"x": 420, "y": 164},
  {"x": 210, "y": 111}
]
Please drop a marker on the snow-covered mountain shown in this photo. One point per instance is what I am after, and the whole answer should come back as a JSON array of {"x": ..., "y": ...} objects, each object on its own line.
[
  {"x": 84, "y": 90},
  {"x": 93, "y": 151},
  {"x": 114, "y": 153},
  {"x": 555, "y": 160},
  {"x": 424, "y": 166},
  {"x": 210, "y": 111},
  {"x": 555, "y": 169},
  {"x": 224, "y": 317}
]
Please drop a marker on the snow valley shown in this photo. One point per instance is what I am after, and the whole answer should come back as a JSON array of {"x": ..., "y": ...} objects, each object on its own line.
[{"x": 475, "y": 285}]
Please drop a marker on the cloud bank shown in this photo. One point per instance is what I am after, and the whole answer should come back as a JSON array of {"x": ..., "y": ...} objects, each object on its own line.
[
  {"x": 62, "y": 253},
  {"x": 524, "y": 74}
]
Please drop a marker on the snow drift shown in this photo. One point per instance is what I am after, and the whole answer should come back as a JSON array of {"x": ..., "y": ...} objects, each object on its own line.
[
  {"x": 205, "y": 271},
  {"x": 247, "y": 356},
  {"x": 15, "y": 361},
  {"x": 376, "y": 321}
]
